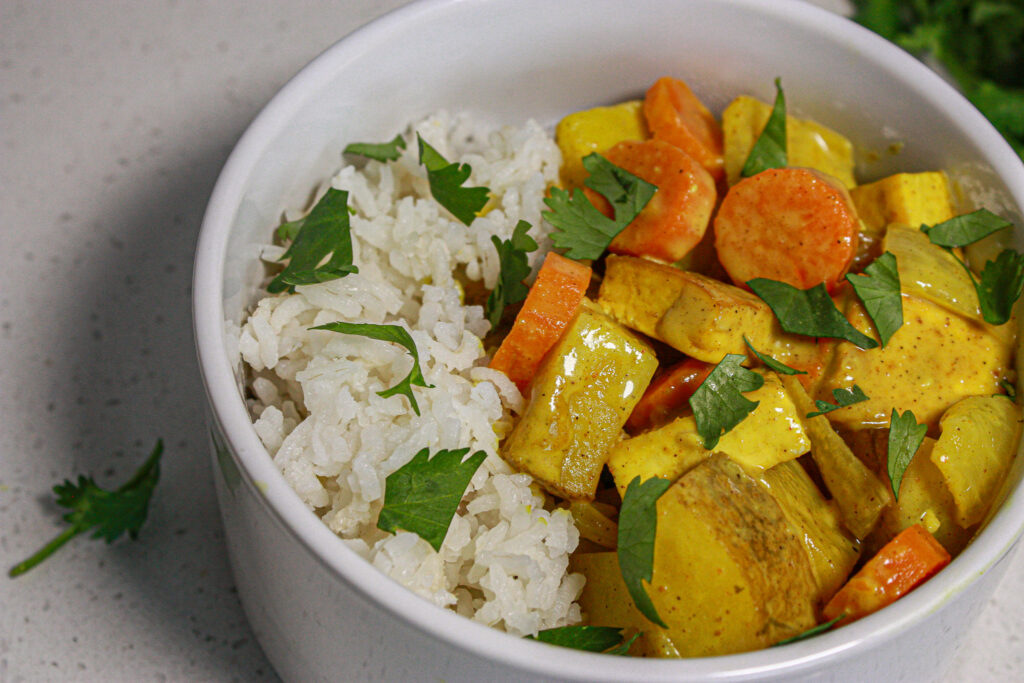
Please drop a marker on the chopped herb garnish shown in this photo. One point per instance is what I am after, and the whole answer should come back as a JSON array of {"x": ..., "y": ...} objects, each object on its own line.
[
  {"x": 771, "y": 363},
  {"x": 769, "y": 151},
  {"x": 638, "y": 524},
  {"x": 321, "y": 249},
  {"x": 514, "y": 269},
  {"x": 813, "y": 631},
  {"x": 390, "y": 333},
  {"x": 718, "y": 403},
  {"x": 606, "y": 639},
  {"x": 965, "y": 229},
  {"x": 423, "y": 495},
  {"x": 580, "y": 228},
  {"x": 446, "y": 181},
  {"x": 378, "y": 151},
  {"x": 879, "y": 290},
  {"x": 1010, "y": 388},
  {"x": 110, "y": 513},
  {"x": 905, "y": 437},
  {"x": 843, "y": 397},
  {"x": 809, "y": 312}
]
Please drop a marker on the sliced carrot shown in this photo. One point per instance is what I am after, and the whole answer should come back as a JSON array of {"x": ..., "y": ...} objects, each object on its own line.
[
  {"x": 674, "y": 114},
  {"x": 675, "y": 219},
  {"x": 550, "y": 306},
  {"x": 795, "y": 225},
  {"x": 667, "y": 394},
  {"x": 905, "y": 562}
]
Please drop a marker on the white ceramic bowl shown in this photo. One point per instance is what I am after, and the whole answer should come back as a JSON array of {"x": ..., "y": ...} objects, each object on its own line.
[{"x": 322, "y": 613}]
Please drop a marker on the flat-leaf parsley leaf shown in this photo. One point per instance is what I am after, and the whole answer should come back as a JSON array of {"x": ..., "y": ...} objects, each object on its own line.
[
  {"x": 321, "y": 249},
  {"x": 769, "y": 151},
  {"x": 718, "y": 403},
  {"x": 878, "y": 288},
  {"x": 905, "y": 437},
  {"x": 378, "y": 151},
  {"x": 771, "y": 363},
  {"x": 514, "y": 269},
  {"x": 843, "y": 397},
  {"x": 423, "y": 495},
  {"x": 809, "y": 312},
  {"x": 446, "y": 181},
  {"x": 638, "y": 524},
  {"x": 608, "y": 639}
]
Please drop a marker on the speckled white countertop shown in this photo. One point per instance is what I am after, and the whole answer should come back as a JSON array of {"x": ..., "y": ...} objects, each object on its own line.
[{"x": 115, "y": 118}]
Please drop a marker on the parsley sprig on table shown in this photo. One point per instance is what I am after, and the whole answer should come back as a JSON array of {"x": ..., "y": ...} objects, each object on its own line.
[{"x": 107, "y": 513}]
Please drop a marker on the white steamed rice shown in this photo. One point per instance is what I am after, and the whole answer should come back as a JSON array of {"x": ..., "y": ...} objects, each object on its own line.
[{"x": 505, "y": 560}]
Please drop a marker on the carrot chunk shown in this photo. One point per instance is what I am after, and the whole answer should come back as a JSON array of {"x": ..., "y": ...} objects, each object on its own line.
[
  {"x": 674, "y": 114},
  {"x": 550, "y": 306},
  {"x": 794, "y": 225},
  {"x": 909, "y": 559},
  {"x": 675, "y": 219},
  {"x": 667, "y": 394}
]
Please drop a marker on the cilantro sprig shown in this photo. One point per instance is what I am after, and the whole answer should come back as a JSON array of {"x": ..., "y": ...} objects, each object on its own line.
[
  {"x": 390, "y": 333},
  {"x": 905, "y": 437},
  {"x": 423, "y": 495},
  {"x": 582, "y": 230},
  {"x": 321, "y": 249},
  {"x": 378, "y": 151},
  {"x": 514, "y": 269},
  {"x": 107, "y": 513},
  {"x": 607, "y": 639},
  {"x": 878, "y": 288},
  {"x": 843, "y": 397},
  {"x": 638, "y": 524},
  {"x": 446, "y": 181},
  {"x": 718, "y": 403},
  {"x": 809, "y": 312},
  {"x": 769, "y": 151}
]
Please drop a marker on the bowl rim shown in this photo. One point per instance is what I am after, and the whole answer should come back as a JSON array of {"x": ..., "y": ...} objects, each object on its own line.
[{"x": 286, "y": 508}]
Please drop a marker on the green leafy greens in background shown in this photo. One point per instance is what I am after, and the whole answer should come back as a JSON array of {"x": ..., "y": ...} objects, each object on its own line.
[
  {"x": 843, "y": 397},
  {"x": 606, "y": 639},
  {"x": 1002, "y": 280},
  {"x": 378, "y": 151},
  {"x": 718, "y": 403},
  {"x": 580, "y": 228},
  {"x": 321, "y": 249},
  {"x": 446, "y": 181},
  {"x": 390, "y": 333},
  {"x": 769, "y": 151},
  {"x": 905, "y": 437},
  {"x": 980, "y": 43},
  {"x": 110, "y": 513},
  {"x": 514, "y": 269},
  {"x": 638, "y": 524},
  {"x": 423, "y": 495},
  {"x": 771, "y": 363},
  {"x": 809, "y": 312},
  {"x": 879, "y": 290}
]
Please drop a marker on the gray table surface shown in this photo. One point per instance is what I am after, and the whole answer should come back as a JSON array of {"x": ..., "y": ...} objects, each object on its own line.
[{"x": 115, "y": 118}]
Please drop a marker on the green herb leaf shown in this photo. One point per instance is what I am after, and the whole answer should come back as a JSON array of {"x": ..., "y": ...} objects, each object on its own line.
[
  {"x": 1001, "y": 284},
  {"x": 623, "y": 648},
  {"x": 446, "y": 181},
  {"x": 514, "y": 269},
  {"x": 321, "y": 249},
  {"x": 843, "y": 397},
  {"x": 905, "y": 437},
  {"x": 580, "y": 228},
  {"x": 638, "y": 524},
  {"x": 771, "y": 363},
  {"x": 965, "y": 229},
  {"x": 589, "y": 638},
  {"x": 813, "y": 631},
  {"x": 809, "y": 312},
  {"x": 423, "y": 495},
  {"x": 718, "y": 403},
  {"x": 383, "y": 151},
  {"x": 108, "y": 513},
  {"x": 390, "y": 333},
  {"x": 1010, "y": 388},
  {"x": 879, "y": 290},
  {"x": 770, "y": 149}
]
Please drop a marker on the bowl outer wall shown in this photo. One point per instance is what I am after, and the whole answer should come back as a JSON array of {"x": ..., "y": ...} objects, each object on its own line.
[{"x": 511, "y": 60}]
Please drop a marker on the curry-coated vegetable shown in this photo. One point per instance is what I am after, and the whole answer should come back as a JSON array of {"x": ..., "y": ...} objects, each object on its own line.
[
  {"x": 668, "y": 394},
  {"x": 596, "y": 130},
  {"x": 677, "y": 116}
]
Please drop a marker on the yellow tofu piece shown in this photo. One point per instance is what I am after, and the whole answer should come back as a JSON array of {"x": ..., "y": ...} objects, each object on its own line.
[
  {"x": 580, "y": 398},
  {"x": 907, "y": 198},
  {"x": 596, "y": 130},
  {"x": 637, "y": 292},
  {"x": 934, "y": 359},
  {"x": 772, "y": 433},
  {"x": 808, "y": 143}
]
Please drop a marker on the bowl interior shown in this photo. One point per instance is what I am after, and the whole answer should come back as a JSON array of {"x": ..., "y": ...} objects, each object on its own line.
[{"x": 511, "y": 60}]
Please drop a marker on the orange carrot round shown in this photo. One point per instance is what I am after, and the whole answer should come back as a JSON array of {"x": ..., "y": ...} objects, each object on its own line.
[
  {"x": 794, "y": 225},
  {"x": 675, "y": 219},
  {"x": 667, "y": 394},
  {"x": 674, "y": 114},
  {"x": 550, "y": 306},
  {"x": 905, "y": 562}
]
